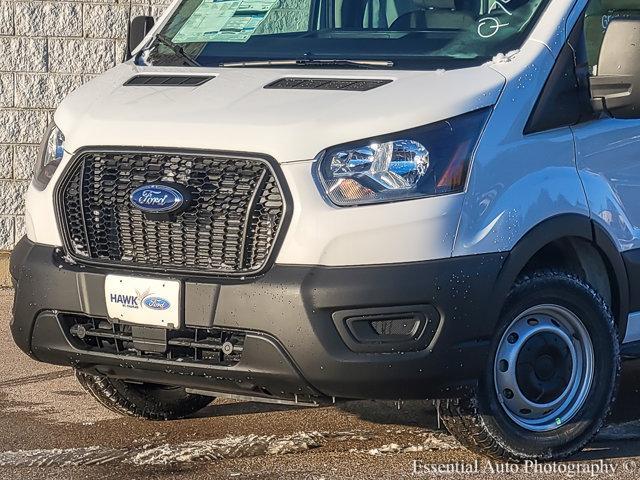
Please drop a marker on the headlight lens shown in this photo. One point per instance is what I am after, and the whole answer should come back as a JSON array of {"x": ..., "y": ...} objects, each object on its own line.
[
  {"x": 51, "y": 152},
  {"x": 426, "y": 161}
]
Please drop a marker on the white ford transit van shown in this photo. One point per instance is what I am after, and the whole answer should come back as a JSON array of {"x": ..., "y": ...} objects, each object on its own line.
[{"x": 302, "y": 201}]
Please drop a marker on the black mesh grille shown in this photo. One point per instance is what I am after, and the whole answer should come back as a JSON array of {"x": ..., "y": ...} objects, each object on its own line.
[{"x": 229, "y": 226}]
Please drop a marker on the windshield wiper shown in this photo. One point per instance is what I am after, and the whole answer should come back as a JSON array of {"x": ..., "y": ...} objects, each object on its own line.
[
  {"x": 177, "y": 49},
  {"x": 307, "y": 62}
]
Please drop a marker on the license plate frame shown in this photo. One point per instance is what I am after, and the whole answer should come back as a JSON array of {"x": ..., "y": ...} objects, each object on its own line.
[{"x": 150, "y": 302}]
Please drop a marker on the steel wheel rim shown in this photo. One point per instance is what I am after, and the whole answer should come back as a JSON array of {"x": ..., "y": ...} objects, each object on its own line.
[{"x": 552, "y": 336}]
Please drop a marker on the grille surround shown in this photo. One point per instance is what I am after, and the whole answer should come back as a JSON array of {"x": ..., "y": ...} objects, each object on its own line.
[{"x": 272, "y": 171}]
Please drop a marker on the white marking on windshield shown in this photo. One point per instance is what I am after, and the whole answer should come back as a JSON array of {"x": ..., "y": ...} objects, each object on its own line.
[{"x": 489, "y": 26}]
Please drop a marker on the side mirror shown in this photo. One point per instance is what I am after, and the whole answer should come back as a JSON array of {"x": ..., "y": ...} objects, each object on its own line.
[{"x": 138, "y": 29}]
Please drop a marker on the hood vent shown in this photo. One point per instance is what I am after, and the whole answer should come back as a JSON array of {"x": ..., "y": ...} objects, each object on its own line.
[
  {"x": 167, "y": 81},
  {"x": 348, "y": 85}
]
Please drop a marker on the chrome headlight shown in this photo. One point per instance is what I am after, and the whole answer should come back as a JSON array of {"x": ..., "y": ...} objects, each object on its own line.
[
  {"x": 49, "y": 158},
  {"x": 422, "y": 162}
]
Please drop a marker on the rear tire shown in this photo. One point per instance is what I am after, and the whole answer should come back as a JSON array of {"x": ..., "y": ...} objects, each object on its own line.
[
  {"x": 148, "y": 401},
  {"x": 551, "y": 378}
]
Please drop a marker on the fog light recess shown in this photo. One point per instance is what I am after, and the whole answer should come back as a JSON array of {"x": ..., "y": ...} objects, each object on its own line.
[{"x": 388, "y": 330}]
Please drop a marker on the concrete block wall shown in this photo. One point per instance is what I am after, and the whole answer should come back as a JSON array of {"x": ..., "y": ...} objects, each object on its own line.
[{"x": 47, "y": 49}]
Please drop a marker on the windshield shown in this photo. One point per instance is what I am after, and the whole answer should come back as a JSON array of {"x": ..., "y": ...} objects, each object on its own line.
[{"x": 412, "y": 34}]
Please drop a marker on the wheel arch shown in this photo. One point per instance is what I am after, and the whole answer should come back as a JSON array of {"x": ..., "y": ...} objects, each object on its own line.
[{"x": 558, "y": 228}]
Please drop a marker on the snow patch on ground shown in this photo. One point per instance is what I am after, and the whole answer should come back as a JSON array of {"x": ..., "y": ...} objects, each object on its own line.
[
  {"x": 229, "y": 447},
  {"x": 188, "y": 452},
  {"x": 432, "y": 442},
  {"x": 70, "y": 457}
]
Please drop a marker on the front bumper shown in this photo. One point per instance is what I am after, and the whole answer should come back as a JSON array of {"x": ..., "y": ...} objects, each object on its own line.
[{"x": 295, "y": 345}]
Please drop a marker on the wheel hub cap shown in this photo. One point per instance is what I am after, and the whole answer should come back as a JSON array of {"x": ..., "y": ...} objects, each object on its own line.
[{"x": 544, "y": 368}]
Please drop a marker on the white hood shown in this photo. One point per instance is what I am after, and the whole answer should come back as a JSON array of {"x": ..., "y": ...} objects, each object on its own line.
[{"x": 234, "y": 112}]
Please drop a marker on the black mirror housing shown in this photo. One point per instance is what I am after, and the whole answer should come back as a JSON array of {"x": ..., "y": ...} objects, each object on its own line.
[{"x": 138, "y": 29}]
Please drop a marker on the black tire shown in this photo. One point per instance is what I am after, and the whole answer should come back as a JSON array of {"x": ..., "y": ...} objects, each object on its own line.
[
  {"x": 482, "y": 424},
  {"x": 148, "y": 401}
]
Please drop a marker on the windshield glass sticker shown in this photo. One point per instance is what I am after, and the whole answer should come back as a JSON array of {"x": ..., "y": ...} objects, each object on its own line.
[{"x": 224, "y": 21}]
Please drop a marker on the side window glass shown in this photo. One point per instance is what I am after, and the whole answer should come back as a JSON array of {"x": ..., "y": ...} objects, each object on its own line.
[
  {"x": 599, "y": 15},
  {"x": 375, "y": 15}
]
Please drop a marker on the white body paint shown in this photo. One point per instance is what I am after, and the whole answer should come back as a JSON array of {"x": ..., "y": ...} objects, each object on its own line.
[{"x": 515, "y": 182}]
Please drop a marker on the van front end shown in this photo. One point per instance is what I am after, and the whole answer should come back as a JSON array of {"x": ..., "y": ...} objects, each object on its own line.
[
  {"x": 291, "y": 260},
  {"x": 305, "y": 202},
  {"x": 233, "y": 273}
]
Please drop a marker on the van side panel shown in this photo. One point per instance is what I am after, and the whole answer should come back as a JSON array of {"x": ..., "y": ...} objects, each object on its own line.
[
  {"x": 607, "y": 153},
  {"x": 517, "y": 181}
]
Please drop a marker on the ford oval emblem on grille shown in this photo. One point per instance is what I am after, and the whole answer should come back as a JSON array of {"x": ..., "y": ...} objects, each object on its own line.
[{"x": 157, "y": 198}]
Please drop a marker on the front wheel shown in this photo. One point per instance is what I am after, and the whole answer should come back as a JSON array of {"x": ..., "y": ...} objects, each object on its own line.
[
  {"x": 552, "y": 374},
  {"x": 149, "y": 401}
]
